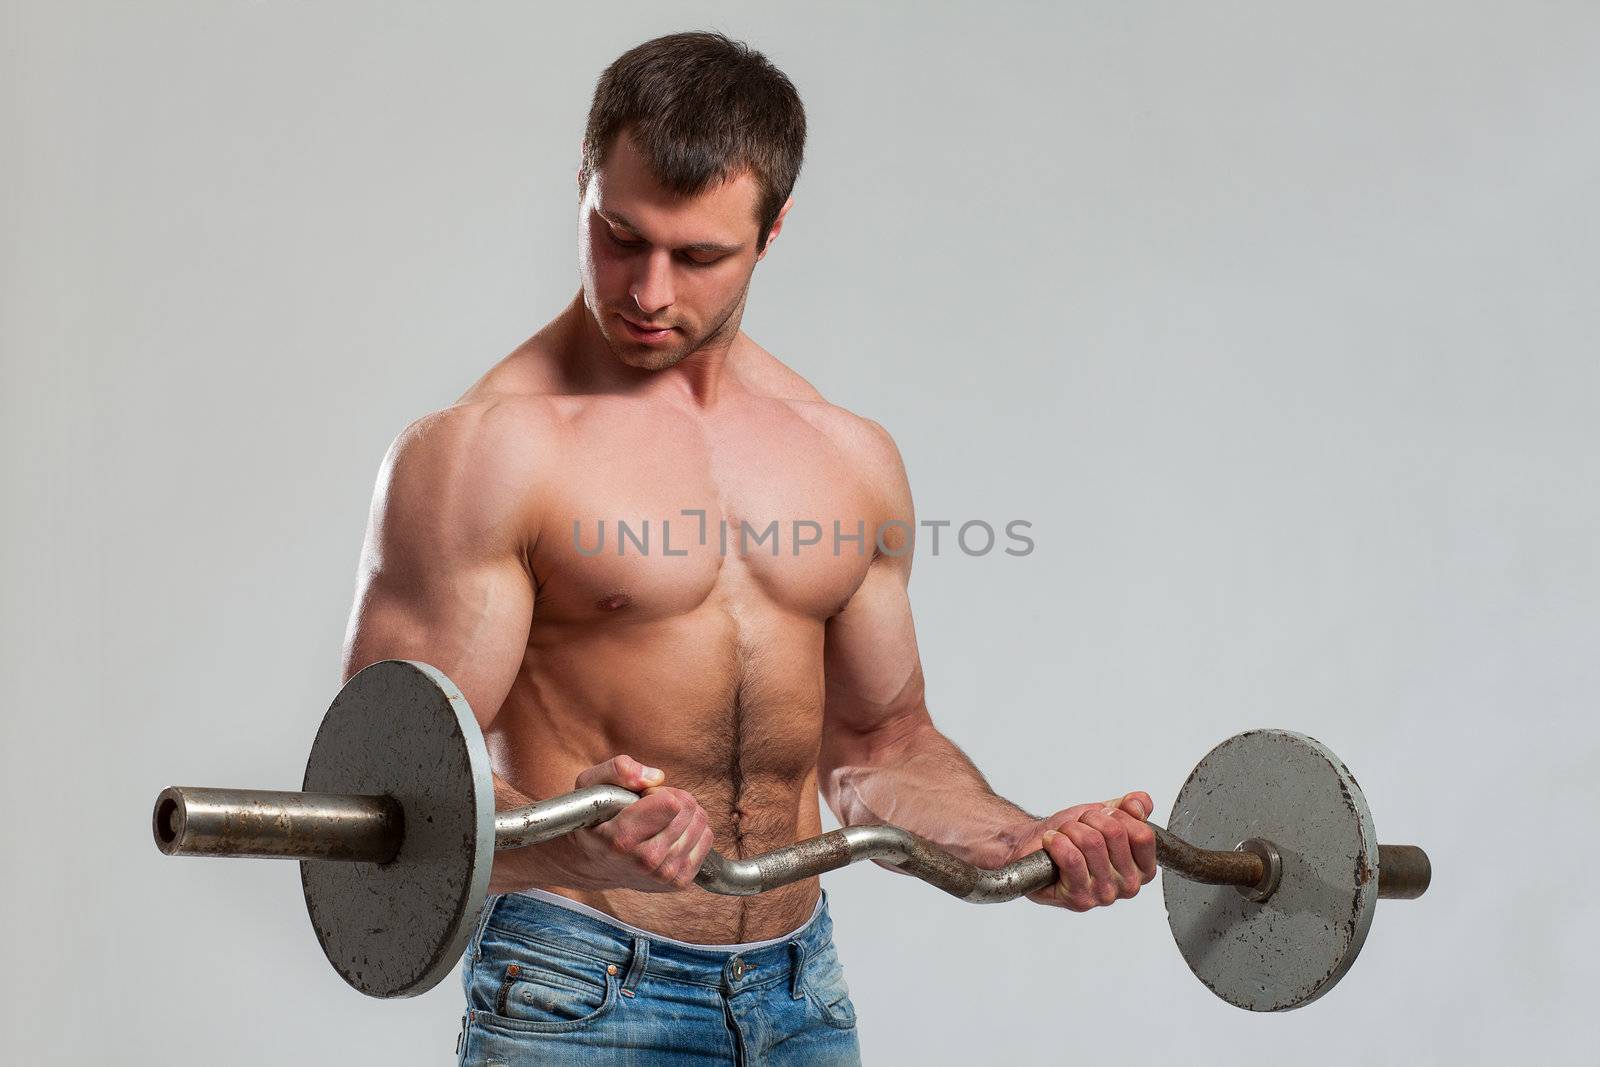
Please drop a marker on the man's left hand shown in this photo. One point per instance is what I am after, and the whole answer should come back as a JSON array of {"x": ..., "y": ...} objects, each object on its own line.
[{"x": 1103, "y": 852}]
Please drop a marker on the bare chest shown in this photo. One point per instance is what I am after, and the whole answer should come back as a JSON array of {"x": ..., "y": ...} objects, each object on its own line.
[{"x": 649, "y": 525}]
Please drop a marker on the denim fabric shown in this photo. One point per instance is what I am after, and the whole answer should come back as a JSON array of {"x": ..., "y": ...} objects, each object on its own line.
[{"x": 548, "y": 985}]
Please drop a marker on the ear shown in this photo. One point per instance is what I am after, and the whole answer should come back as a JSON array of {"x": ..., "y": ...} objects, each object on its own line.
[{"x": 777, "y": 228}]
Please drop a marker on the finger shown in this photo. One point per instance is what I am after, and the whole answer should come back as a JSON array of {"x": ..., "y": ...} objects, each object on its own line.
[
  {"x": 1073, "y": 814},
  {"x": 688, "y": 827},
  {"x": 1071, "y": 888},
  {"x": 1138, "y": 804},
  {"x": 696, "y": 859},
  {"x": 640, "y": 821},
  {"x": 1072, "y": 870},
  {"x": 1142, "y": 843},
  {"x": 690, "y": 851},
  {"x": 1093, "y": 847},
  {"x": 625, "y": 771},
  {"x": 657, "y": 849},
  {"x": 1114, "y": 831}
]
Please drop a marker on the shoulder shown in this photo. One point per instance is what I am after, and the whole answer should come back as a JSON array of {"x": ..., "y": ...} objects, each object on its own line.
[
  {"x": 870, "y": 452},
  {"x": 470, "y": 472},
  {"x": 869, "y": 446},
  {"x": 485, "y": 432},
  {"x": 865, "y": 441}
]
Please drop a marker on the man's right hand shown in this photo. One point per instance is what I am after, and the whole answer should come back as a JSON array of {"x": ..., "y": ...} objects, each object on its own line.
[{"x": 654, "y": 845}]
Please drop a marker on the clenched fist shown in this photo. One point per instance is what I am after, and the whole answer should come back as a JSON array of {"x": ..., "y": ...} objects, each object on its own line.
[
  {"x": 655, "y": 844},
  {"x": 1103, "y": 852}
]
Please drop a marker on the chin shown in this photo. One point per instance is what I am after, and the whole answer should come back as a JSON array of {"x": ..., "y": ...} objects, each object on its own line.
[
  {"x": 641, "y": 358},
  {"x": 646, "y": 357},
  {"x": 649, "y": 360}
]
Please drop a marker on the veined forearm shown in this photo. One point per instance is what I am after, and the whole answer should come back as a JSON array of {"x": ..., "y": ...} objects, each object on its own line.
[{"x": 923, "y": 783}]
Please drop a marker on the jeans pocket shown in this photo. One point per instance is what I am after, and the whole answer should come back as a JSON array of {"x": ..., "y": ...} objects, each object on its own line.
[
  {"x": 824, "y": 985},
  {"x": 542, "y": 989}
]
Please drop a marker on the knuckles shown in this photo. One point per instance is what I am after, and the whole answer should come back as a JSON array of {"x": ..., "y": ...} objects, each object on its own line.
[
  {"x": 675, "y": 800},
  {"x": 1066, "y": 858},
  {"x": 1088, "y": 839}
]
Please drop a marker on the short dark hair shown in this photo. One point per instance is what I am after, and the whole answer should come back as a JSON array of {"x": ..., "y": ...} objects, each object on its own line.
[{"x": 702, "y": 108}]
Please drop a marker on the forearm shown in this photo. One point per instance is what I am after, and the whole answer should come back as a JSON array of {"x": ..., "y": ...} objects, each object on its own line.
[
  {"x": 547, "y": 865},
  {"x": 918, "y": 779}
]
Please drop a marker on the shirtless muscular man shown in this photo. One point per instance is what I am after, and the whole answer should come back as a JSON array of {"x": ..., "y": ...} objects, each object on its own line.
[{"x": 729, "y": 682}]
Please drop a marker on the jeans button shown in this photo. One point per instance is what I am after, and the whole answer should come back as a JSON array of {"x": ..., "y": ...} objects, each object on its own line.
[{"x": 738, "y": 967}]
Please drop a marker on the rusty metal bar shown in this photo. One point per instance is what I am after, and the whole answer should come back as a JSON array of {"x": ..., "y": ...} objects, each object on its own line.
[
  {"x": 244, "y": 822},
  {"x": 190, "y": 821},
  {"x": 1208, "y": 866},
  {"x": 1403, "y": 872},
  {"x": 1254, "y": 868},
  {"x": 547, "y": 819}
]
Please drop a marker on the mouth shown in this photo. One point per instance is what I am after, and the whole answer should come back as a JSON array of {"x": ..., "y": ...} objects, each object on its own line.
[{"x": 645, "y": 333}]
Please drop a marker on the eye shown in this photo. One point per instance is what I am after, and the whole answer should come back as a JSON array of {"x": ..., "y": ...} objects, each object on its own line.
[
  {"x": 620, "y": 243},
  {"x": 688, "y": 257}
]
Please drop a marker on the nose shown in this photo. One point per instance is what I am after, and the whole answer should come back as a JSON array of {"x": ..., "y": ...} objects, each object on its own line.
[{"x": 652, "y": 286}]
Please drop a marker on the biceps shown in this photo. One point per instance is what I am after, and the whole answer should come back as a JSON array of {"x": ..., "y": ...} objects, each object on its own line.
[
  {"x": 471, "y": 621},
  {"x": 874, "y": 674}
]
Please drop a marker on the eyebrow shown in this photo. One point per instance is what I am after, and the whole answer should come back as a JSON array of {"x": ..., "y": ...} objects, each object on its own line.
[{"x": 704, "y": 247}]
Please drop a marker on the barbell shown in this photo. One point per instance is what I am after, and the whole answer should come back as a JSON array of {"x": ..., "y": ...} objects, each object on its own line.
[{"x": 1279, "y": 870}]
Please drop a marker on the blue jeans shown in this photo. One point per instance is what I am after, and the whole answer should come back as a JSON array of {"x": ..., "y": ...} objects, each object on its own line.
[{"x": 548, "y": 985}]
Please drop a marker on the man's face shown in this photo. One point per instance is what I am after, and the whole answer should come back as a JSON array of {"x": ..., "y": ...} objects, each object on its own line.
[{"x": 652, "y": 259}]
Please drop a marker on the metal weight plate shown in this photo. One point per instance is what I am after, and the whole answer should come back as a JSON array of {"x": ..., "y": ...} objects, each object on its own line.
[
  {"x": 1289, "y": 950},
  {"x": 403, "y": 729}
]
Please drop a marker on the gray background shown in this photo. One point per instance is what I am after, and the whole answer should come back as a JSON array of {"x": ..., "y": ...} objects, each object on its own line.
[{"x": 1277, "y": 321}]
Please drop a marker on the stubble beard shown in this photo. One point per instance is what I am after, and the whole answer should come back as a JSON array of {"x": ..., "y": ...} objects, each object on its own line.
[{"x": 647, "y": 357}]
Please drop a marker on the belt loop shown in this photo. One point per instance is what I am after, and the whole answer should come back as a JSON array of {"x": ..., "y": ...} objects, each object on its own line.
[
  {"x": 641, "y": 956},
  {"x": 797, "y": 964},
  {"x": 475, "y": 946}
]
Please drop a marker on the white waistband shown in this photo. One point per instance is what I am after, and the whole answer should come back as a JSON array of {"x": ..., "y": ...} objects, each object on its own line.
[{"x": 610, "y": 920}]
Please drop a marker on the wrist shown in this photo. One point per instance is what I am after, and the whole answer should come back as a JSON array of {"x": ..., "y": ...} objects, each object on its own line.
[
  {"x": 1013, "y": 841},
  {"x": 995, "y": 845},
  {"x": 553, "y": 864}
]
